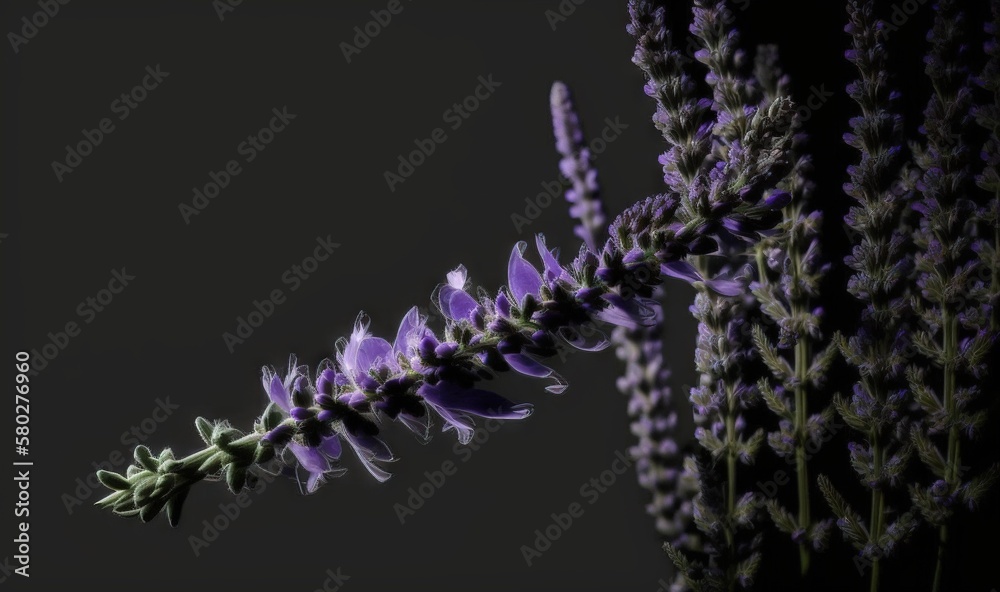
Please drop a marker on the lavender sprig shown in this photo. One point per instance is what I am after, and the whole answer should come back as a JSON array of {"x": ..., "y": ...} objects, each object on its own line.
[
  {"x": 692, "y": 167},
  {"x": 653, "y": 421},
  {"x": 646, "y": 377},
  {"x": 682, "y": 118},
  {"x": 789, "y": 275},
  {"x": 881, "y": 265},
  {"x": 953, "y": 305},
  {"x": 988, "y": 116},
  {"x": 309, "y": 420},
  {"x": 584, "y": 194}
]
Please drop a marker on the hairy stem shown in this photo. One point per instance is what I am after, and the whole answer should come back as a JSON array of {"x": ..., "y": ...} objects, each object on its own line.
[
  {"x": 878, "y": 506},
  {"x": 950, "y": 327}
]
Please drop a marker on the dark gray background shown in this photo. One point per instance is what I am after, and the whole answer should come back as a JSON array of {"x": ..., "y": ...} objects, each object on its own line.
[{"x": 322, "y": 176}]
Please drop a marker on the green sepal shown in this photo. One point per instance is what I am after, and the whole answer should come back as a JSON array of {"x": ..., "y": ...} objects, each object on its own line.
[
  {"x": 205, "y": 429},
  {"x": 272, "y": 416},
  {"x": 175, "y": 505},
  {"x": 145, "y": 458},
  {"x": 113, "y": 480},
  {"x": 263, "y": 453},
  {"x": 150, "y": 510},
  {"x": 236, "y": 477}
]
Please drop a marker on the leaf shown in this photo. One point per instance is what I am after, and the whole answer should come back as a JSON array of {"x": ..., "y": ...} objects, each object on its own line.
[
  {"x": 205, "y": 429},
  {"x": 849, "y": 416},
  {"x": 175, "y": 505},
  {"x": 113, "y": 480},
  {"x": 112, "y": 499},
  {"x": 748, "y": 449},
  {"x": 272, "y": 416},
  {"x": 821, "y": 364},
  {"x": 979, "y": 485},
  {"x": 922, "y": 393},
  {"x": 769, "y": 354},
  {"x": 150, "y": 510},
  {"x": 781, "y": 517},
  {"x": 236, "y": 477},
  {"x": 746, "y": 569},
  {"x": 850, "y": 522},
  {"x": 928, "y": 453},
  {"x": 145, "y": 458},
  {"x": 745, "y": 509},
  {"x": 777, "y": 404}
]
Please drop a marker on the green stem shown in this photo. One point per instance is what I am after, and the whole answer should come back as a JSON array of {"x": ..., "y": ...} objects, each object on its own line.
[
  {"x": 731, "y": 493},
  {"x": 878, "y": 505},
  {"x": 801, "y": 468},
  {"x": 950, "y": 326},
  {"x": 995, "y": 286},
  {"x": 798, "y": 309}
]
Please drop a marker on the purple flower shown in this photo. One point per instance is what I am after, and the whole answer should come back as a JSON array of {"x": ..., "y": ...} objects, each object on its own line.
[
  {"x": 456, "y": 304},
  {"x": 316, "y": 460},
  {"x": 363, "y": 352},
  {"x": 280, "y": 390},
  {"x": 291, "y": 395},
  {"x": 522, "y": 277},
  {"x": 369, "y": 448},
  {"x": 455, "y": 404}
]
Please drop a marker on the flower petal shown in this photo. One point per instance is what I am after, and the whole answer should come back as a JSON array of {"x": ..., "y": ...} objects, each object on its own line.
[
  {"x": 411, "y": 326},
  {"x": 310, "y": 458},
  {"x": 276, "y": 391},
  {"x": 348, "y": 356},
  {"x": 586, "y": 338},
  {"x": 456, "y": 304},
  {"x": 458, "y": 277},
  {"x": 370, "y": 351},
  {"x": 471, "y": 400},
  {"x": 553, "y": 271},
  {"x": 522, "y": 277},
  {"x": 722, "y": 284},
  {"x": 331, "y": 446},
  {"x": 363, "y": 446},
  {"x": 527, "y": 365},
  {"x": 630, "y": 313}
]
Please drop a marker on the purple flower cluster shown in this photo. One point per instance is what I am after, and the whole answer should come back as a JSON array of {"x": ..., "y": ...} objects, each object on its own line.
[
  {"x": 420, "y": 373},
  {"x": 584, "y": 194}
]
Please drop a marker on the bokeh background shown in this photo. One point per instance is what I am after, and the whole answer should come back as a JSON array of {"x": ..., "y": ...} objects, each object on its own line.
[{"x": 161, "y": 338}]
